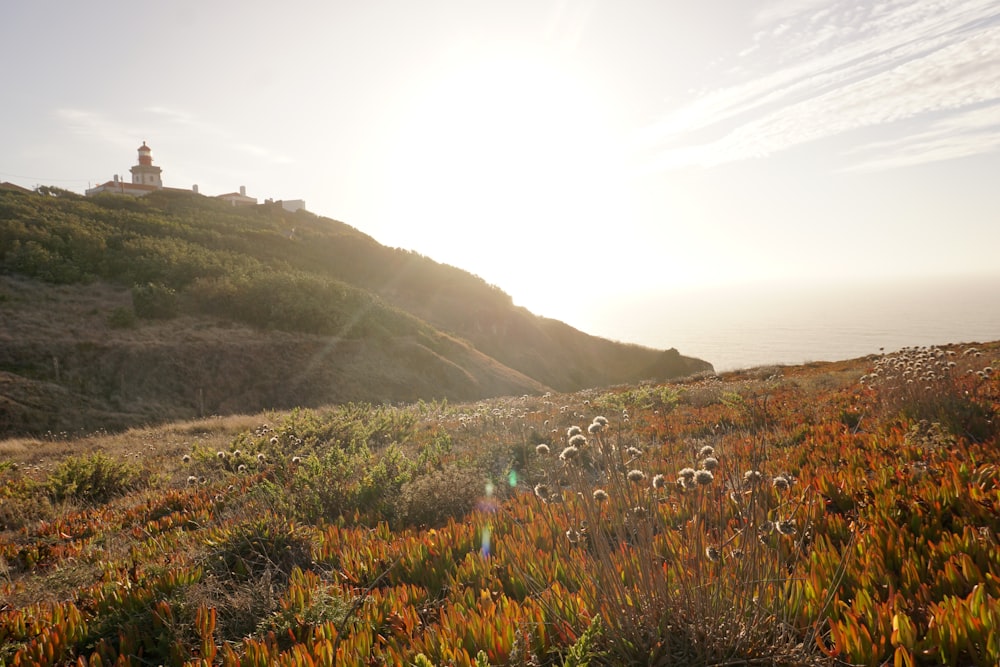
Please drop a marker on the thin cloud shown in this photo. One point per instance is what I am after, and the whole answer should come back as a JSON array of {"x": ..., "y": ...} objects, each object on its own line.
[
  {"x": 96, "y": 126},
  {"x": 870, "y": 66}
]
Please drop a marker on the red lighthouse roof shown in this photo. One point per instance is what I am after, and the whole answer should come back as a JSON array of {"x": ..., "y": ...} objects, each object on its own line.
[{"x": 144, "y": 147}]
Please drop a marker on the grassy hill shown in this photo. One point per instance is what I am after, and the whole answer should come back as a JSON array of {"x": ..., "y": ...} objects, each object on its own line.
[
  {"x": 829, "y": 514},
  {"x": 119, "y": 311}
]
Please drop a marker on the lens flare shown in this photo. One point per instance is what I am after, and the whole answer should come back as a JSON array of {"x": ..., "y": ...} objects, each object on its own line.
[{"x": 485, "y": 536}]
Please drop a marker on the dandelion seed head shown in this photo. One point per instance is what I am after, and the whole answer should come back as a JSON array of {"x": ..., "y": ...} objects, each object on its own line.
[
  {"x": 659, "y": 481},
  {"x": 710, "y": 463},
  {"x": 634, "y": 452},
  {"x": 573, "y": 430},
  {"x": 578, "y": 440},
  {"x": 569, "y": 453},
  {"x": 703, "y": 477},
  {"x": 186, "y": 458},
  {"x": 686, "y": 473},
  {"x": 780, "y": 483},
  {"x": 706, "y": 451},
  {"x": 542, "y": 491},
  {"x": 600, "y": 495},
  {"x": 542, "y": 449},
  {"x": 636, "y": 476}
]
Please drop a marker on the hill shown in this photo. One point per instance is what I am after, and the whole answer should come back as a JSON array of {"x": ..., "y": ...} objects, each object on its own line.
[
  {"x": 821, "y": 515},
  {"x": 119, "y": 311}
]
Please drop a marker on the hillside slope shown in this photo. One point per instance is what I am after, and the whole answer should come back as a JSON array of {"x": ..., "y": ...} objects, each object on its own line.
[{"x": 118, "y": 311}]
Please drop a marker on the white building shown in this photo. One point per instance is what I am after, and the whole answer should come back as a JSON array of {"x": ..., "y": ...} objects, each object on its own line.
[
  {"x": 238, "y": 198},
  {"x": 145, "y": 178}
]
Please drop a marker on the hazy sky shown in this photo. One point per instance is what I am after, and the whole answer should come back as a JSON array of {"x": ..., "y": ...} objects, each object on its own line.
[{"x": 569, "y": 152}]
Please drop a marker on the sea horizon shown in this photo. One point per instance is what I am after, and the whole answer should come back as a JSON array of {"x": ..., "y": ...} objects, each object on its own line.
[{"x": 735, "y": 328}]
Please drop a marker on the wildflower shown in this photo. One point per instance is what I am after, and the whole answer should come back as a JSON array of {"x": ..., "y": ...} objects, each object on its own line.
[
  {"x": 636, "y": 476},
  {"x": 704, "y": 477},
  {"x": 706, "y": 451},
  {"x": 573, "y": 430},
  {"x": 578, "y": 440},
  {"x": 600, "y": 495},
  {"x": 573, "y": 535},
  {"x": 296, "y": 460},
  {"x": 686, "y": 473},
  {"x": 603, "y": 421},
  {"x": 713, "y": 554},
  {"x": 237, "y": 453},
  {"x": 242, "y": 467},
  {"x": 595, "y": 428},
  {"x": 710, "y": 463},
  {"x": 659, "y": 481},
  {"x": 634, "y": 452},
  {"x": 192, "y": 479},
  {"x": 203, "y": 480},
  {"x": 274, "y": 440},
  {"x": 569, "y": 453},
  {"x": 221, "y": 454},
  {"x": 542, "y": 491},
  {"x": 542, "y": 449},
  {"x": 786, "y": 527},
  {"x": 186, "y": 458},
  {"x": 752, "y": 477},
  {"x": 261, "y": 458},
  {"x": 780, "y": 483}
]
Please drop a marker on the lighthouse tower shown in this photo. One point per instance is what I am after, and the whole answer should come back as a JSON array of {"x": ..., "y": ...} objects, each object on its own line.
[{"x": 145, "y": 173}]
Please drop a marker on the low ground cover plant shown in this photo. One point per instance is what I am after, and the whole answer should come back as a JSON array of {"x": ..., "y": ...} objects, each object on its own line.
[{"x": 831, "y": 514}]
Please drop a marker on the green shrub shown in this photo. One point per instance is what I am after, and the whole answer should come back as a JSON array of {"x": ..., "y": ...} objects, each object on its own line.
[
  {"x": 122, "y": 318},
  {"x": 262, "y": 545},
  {"x": 431, "y": 499},
  {"x": 96, "y": 478},
  {"x": 154, "y": 301}
]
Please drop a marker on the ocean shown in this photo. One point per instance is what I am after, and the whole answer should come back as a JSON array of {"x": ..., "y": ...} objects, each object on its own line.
[{"x": 736, "y": 328}]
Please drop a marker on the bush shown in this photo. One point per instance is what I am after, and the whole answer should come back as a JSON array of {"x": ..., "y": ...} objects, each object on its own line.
[
  {"x": 938, "y": 386},
  {"x": 154, "y": 301},
  {"x": 257, "y": 547},
  {"x": 96, "y": 478},
  {"x": 431, "y": 499},
  {"x": 122, "y": 318}
]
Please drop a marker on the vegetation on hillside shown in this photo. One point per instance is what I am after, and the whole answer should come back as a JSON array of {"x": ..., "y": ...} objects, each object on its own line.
[
  {"x": 832, "y": 514},
  {"x": 341, "y": 307}
]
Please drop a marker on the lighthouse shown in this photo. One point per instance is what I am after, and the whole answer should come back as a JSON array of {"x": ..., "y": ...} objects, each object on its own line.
[{"x": 145, "y": 173}]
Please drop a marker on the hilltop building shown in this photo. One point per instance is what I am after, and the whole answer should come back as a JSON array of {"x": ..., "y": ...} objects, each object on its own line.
[
  {"x": 238, "y": 198},
  {"x": 146, "y": 177}
]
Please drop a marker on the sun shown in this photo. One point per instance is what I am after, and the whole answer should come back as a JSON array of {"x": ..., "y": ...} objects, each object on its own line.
[{"x": 507, "y": 166}]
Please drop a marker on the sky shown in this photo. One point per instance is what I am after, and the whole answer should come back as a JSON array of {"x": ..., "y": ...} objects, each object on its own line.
[{"x": 575, "y": 154}]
